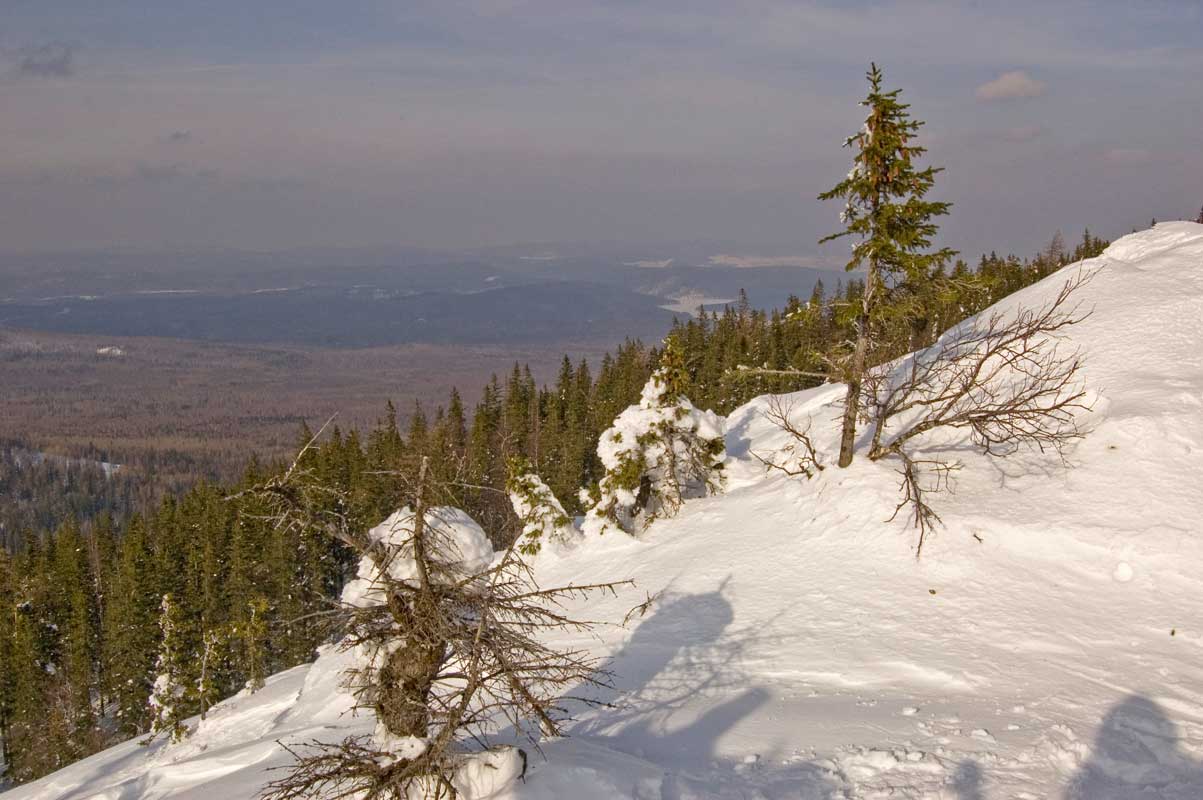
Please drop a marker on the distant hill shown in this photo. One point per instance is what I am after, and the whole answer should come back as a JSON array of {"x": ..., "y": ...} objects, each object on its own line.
[
  {"x": 362, "y": 299},
  {"x": 355, "y": 317}
]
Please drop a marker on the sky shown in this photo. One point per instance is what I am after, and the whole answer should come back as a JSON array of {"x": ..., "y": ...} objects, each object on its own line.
[{"x": 281, "y": 124}]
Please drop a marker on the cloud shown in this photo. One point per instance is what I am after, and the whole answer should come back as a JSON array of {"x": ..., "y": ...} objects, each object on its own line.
[
  {"x": 1128, "y": 155},
  {"x": 50, "y": 60},
  {"x": 1010, "y": 86},
  {"x": 159, "y": 173},
  {"x": 1023, "y": 133},
  {"x": 752, "y": 262}
]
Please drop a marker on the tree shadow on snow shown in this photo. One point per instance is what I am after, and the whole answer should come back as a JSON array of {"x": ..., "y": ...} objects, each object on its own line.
[{"x": 678, "y": 689}]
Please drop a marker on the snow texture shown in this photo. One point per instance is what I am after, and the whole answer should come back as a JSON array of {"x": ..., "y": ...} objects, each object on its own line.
[{"x": 1046, "y": 646}]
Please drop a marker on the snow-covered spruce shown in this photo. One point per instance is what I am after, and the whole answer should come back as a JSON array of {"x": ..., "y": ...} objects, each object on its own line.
[
  {"x": 456, "y": 555},
  {"x": 656, "y": 454},
  {"x": 544, "y": 520},
  {"x": 460, "y": 545},
  {"x": 170, "y": 683},
  {"x": 444, "y": 645}
]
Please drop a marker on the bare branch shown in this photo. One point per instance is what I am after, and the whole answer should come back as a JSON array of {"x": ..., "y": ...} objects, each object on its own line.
[
  {"x": 914, "y": 494},
  {"x": 800, "y": 457},
  {"x": 798, "y": 373},
  {"x": 1009, "y": 380}
]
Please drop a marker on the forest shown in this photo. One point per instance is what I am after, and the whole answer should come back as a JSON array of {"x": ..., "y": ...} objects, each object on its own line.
[{"x": 96, "y": 579}]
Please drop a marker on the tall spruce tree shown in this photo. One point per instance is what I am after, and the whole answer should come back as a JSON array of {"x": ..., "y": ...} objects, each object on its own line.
[
  {"x": 25, "y": 736},
  {"x": 885, "y": 211},
  {"x": 171, "y": 685},
  {"x": 253, "y": 634},
  {"x": 8, "y": 614}
]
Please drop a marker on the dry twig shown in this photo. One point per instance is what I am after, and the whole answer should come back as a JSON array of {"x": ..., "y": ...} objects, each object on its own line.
[
  {"x": 1008, "y": 380},
  {"x": 800, "y": 456}
]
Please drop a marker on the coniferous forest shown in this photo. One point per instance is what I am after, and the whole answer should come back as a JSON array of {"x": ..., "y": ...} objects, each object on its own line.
[{"x": 101, "y": 591}]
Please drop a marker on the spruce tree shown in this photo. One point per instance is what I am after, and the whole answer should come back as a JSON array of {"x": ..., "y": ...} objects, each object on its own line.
[
  {"x": 672, "y": 368},
  {"x": 885, "y": 211},
  {"x": 25, "y": 738},
  {"x": 456, "y": 424},
  {"x": 655, "y": 455},
  {"x": 537, "y": 508},
  {"x": 416, "y": 435},
  {"x": 170, "y": 694},
  {"x": 253, "y": 633},
  {"x": 207, "y": 682},
  {"x": 8, "y": 614},
  {"x": 131, "y": 630}
]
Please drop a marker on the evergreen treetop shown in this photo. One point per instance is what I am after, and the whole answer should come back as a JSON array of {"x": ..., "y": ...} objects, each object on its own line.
[{"x": 884, "y": 191}]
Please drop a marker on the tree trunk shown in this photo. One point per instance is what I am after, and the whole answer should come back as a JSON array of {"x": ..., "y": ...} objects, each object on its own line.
[
  {"x": 409, "y": 673},
  {"x": 856, "y": 374},
  {"x": 403, "y": 704},
  {"x": 852, "y": 399}
]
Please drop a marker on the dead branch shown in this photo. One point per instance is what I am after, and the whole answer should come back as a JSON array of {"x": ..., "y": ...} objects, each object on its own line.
[
  {"x": 1009, "y": 380},
  {"x": 791, "y": 373},
  {"x": 642, "y": 609},
  {"x": 914, "y": 493},
  {"x": 799, "y": 457},
  {"x": 354, "y": 768},
  {"x": 451, "y": 654}
]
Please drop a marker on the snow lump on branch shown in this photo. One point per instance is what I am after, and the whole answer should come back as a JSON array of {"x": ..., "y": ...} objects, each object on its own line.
[
  {"x": 656, "y": 454},
  {"x": 461, "y": 548},
  {"x": 543, "y": 517}
]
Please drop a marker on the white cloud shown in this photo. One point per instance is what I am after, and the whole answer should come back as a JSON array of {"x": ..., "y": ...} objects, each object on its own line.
[
  {"x": 751, "y": 262},
  {"x": 1010, "y": 86},
  {"x": 1024, "y": 133},
  {"x": 1128, "y": 155}
]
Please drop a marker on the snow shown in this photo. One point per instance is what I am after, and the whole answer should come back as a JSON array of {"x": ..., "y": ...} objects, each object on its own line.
[
  {"x": 689, "y": 302},
  {"x": 661, "y": 437},
  {"x": 400, "y": 747},
  {"x": 546, "y": 527},
  {"x": 459, "y": 541},
  {"x": 799, "y": 650}
]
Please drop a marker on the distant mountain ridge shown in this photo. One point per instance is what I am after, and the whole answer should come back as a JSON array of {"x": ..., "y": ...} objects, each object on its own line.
[
  {"x": 361, "y": 299},
  {"x": 355, "y": 317}
]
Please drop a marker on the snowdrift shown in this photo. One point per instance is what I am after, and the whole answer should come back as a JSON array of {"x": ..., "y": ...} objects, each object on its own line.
[{"x": 1048, "y": 644}]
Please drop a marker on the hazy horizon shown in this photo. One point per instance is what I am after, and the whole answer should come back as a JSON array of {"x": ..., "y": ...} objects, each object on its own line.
[{"x": 489, "y": 123}]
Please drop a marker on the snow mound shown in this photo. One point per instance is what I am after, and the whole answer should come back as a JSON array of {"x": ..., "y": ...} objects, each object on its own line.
[
  {"x": 1048, "y": 644},
  {"x": 455, "y": 538}
]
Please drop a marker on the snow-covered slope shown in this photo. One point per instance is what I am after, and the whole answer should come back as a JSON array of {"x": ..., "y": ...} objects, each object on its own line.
[{"x": 1048, "y": 644}]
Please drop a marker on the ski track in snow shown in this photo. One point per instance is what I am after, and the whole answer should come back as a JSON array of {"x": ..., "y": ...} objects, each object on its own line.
[{"x": 800, "y": 651}]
